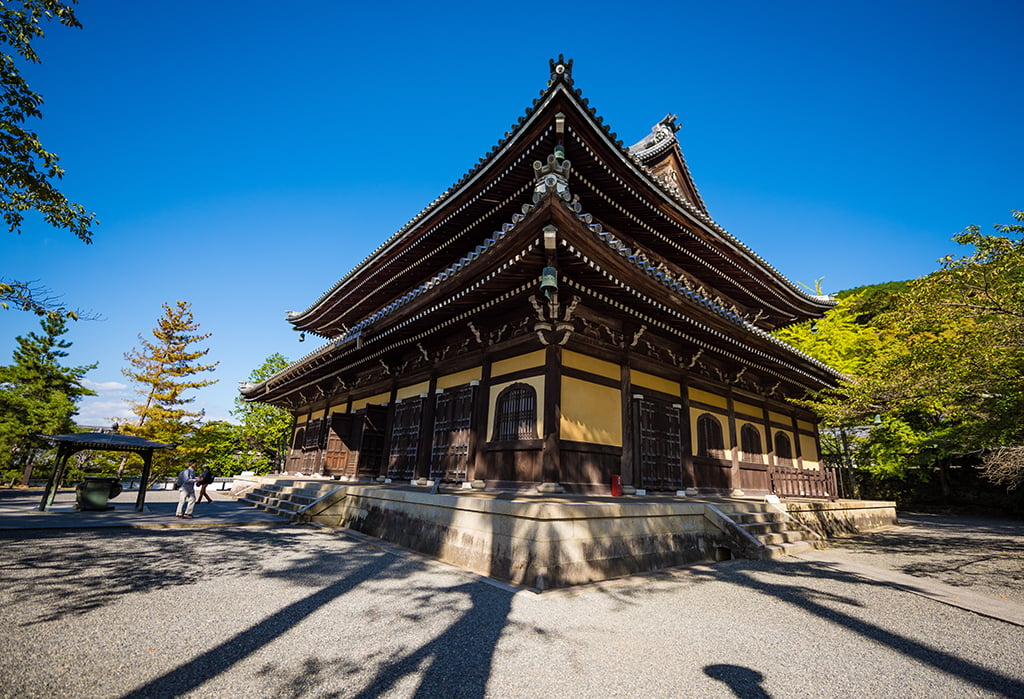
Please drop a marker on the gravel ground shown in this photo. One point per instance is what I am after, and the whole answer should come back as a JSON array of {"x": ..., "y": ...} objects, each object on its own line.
[
  {"x": 985, "y": 555},
  {"x": 298, "y": 612}
]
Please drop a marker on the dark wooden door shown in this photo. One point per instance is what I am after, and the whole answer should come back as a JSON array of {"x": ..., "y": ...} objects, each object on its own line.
[
  {"x": 658, "y": 427},
  {"x": 453, "y": 422},
  {"x": 371, "y": 441},
  {"x": 405, "y": 437},
  {"x": 339, "y": 445}
]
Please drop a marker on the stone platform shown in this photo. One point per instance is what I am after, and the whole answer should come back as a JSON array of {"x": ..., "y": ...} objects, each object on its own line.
[{"x": 544, "y": 541}]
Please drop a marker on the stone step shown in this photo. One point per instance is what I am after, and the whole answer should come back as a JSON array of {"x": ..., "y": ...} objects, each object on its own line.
[
  {"x": 283, "y": 504},
  {"x": 301, "y": 498},
  {"x": 787, "y": 549},
  {"x": 757, "y": 517},
  {"x": 766, "y": 528},
  {"x": 781, "y": 538},
  {"x": 272, "y": 509}
]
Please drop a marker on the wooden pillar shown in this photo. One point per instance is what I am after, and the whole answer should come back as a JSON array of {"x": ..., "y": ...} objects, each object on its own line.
[
  {"x": 769, "y": 447},
  {"x": 734, "y": 452},
  {"x": 477, "y": 466},
  {"x": 64, "y": 452},
  {"x": 628, "y": 463},
  {"x": 689, "y": 473},
  {"x": 147, "y": 465},
  {"x": 425, "y": 447},
  {"x": 551, "y": 456},
  {"x": 389, "y": 426},
  {"x": 798, "y": 456}
]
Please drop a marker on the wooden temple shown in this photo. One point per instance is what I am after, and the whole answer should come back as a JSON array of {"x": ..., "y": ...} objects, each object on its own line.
[{"x": 566, "y": 313}]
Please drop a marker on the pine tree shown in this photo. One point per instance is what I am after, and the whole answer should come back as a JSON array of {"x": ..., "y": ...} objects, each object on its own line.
[
  {"x": 38, "y": 395},
  {"x": 165, "y": 371}
]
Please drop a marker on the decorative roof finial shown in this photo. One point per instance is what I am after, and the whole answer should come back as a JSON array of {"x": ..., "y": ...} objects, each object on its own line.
[{"x": 560, "y": 70}]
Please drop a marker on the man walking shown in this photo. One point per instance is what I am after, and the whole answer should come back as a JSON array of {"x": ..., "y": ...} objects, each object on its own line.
[{"x": 187, "y": 494}]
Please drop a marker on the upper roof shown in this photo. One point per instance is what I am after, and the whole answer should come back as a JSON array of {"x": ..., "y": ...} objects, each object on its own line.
[{"x": 643, "y": 193}]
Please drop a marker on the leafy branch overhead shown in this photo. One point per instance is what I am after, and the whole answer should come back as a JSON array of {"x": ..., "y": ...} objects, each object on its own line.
[
  {"x": 27, "y": 170},
  {"x": 937, "y": 370}
]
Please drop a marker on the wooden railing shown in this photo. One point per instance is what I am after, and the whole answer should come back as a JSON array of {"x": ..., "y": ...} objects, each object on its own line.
[{"x": 790, "y": 482}]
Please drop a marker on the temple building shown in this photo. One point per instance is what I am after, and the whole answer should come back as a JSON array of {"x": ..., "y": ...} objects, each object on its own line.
[{"x": 566, "y": 313}]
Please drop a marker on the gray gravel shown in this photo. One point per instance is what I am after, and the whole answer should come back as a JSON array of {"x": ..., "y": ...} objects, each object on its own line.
[
  {"x": 298, "y": 612},
  {"x": 980, "y": 554}
]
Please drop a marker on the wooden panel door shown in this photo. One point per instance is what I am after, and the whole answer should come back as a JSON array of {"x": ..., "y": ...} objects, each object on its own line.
[
  {"x": 658, "y": 426},
  {"x": 339, "y": 445},
  {"x": 405, "y": 437},
  {"x": 453, "y": 422}
]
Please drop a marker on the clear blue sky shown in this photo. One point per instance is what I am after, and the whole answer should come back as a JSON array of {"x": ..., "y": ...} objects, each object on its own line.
[{"x": 245, "y": 155}]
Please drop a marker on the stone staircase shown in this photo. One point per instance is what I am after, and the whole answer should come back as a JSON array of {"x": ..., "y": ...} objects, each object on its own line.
[
  {"x": 777, "y": 533},
  {"x": 287, "y": 498}
]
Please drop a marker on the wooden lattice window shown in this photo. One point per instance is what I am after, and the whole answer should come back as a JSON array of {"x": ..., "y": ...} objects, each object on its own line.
[
  {"x": 315, "y": 435},
  {"x": 515, "y": 413},
  {"x": 783, "y": 449},
  {"x": 750, "y": 444},
  {"x": 710, "y": 442}
]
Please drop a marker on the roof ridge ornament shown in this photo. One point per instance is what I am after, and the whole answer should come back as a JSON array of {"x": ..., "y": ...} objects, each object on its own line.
[
  {"x": 560, "y": 70},
  {"x": 552, "y": 177}
]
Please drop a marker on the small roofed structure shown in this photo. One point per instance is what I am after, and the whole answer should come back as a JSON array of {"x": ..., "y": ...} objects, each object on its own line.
[{"x": 70, "y": 444}]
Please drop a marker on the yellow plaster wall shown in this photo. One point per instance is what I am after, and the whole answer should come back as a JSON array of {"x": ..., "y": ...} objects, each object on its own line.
[
  {"x": 709, "y": 398},
  {"x": 779, "y": 417},
  {"x": 809, "y": 451},
  {"x": 459, "y": 379},
  {"x": 301, "y": 420},
  {"x": 410, "y": 391},
  {"x": 804, "y": 425},
  {"x": 748, "y": 410},
  {"x": 591, "y": 413},
  {"x": 530, "y": 360},
  {"x": 538, "y": 385},
  {"x": 339, "y": 407},
  {"x": 640, "y": 379},
  {"x": 582, "y": 362},
  {"x": 379, "y": 399},
  {"x": 722, "y": 420}
]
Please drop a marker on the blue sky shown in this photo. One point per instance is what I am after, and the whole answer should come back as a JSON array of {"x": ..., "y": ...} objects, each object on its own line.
[{"x": 245, "y": 155}]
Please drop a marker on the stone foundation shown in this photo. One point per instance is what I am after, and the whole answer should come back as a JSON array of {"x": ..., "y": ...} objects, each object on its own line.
[
  {"x": 843, "y": 518},
  {"x": 557, "y": 542}
]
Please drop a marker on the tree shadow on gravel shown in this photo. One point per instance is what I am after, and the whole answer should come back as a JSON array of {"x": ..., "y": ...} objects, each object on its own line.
[
  {"x": 456, "y": 662},
  {"x": 976, "y": 553},
  {"x": 811, "y": 600},
  {"x": 51, "y": 575},
  {"x": 72, "y": 574}
]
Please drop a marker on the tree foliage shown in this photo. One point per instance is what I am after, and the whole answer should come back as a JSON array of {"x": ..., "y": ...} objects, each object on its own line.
[
  {"x": 938, "y": 374},
  {"x": 38, "y": 394},
  {"x": 165, "y": 370},
  {"x": 265, "y": 428},
  {"x": 29, "y": 172}
]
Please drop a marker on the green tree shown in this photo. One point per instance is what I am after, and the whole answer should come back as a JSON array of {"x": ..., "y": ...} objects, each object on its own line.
[
  {"x": 265, "y": 428},
  {"x": 219, "y": 445},
  {"x": 165, "y": 370},
  {"x": 37, "y": 394},
  {"x": 28, "y": 172},
  {"x": 940, "y": 378}
]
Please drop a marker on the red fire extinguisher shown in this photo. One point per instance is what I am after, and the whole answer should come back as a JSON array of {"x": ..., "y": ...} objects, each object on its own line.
[{"x": 616, "y": 486}]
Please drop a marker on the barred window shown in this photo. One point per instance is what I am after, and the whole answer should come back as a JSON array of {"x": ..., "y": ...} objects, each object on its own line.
[
  {"x": 710, "y": 442},
  {"x": 515, "y": 414},
  {"x": 783, "y": 448},
  {"x": 750, "y": 443}
]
